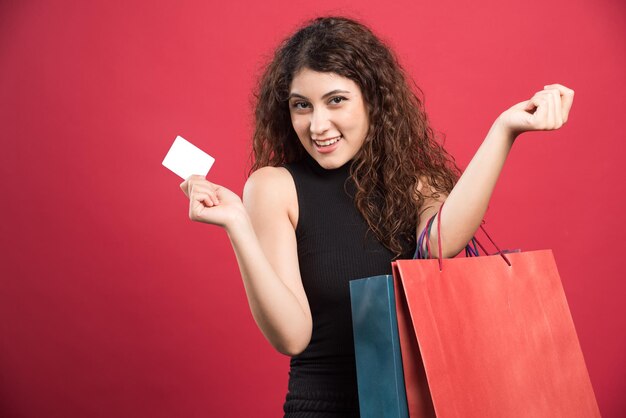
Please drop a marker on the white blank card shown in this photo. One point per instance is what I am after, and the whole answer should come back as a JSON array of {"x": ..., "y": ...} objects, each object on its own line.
[{"x": 185, "y": 159}]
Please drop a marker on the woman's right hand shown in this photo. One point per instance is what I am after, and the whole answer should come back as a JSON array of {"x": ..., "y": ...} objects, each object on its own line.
[{"x": 211, "y": 203}]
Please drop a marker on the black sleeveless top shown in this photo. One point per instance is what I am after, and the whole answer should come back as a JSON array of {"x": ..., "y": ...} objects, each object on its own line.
[{"x": 334, "y": 247}]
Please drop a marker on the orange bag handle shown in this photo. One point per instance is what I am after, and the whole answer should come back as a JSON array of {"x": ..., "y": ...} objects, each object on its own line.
[{"x": 468, "y": 249}]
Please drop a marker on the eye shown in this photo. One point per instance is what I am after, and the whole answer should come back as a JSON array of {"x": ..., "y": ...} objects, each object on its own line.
[
  {"x": 334, "y": 99},
  {"x": 295, "y": 105}
]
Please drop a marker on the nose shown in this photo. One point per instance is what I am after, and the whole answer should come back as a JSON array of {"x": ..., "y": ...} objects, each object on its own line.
[{"x": 320, "y": 122}]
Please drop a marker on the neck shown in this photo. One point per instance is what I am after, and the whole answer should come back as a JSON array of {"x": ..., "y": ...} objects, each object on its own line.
[{"x": 343, "y": 170}]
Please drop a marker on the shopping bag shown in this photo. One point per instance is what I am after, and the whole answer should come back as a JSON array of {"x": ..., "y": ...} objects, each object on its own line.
[
  {"x": 494, "y": 336},
  {"x": 380, "y": 378}
]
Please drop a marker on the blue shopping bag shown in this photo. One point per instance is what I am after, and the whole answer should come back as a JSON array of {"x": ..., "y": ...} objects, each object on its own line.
[{"x": 380, "y": 377}]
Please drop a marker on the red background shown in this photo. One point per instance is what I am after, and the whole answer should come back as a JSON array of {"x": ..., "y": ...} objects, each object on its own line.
[{"x": 114, "y": 304}]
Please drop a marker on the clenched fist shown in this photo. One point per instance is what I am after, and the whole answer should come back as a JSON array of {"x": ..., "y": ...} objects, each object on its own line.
[
  {"x": 211, "y": 203},
  {"x": 546, "y": 110}
]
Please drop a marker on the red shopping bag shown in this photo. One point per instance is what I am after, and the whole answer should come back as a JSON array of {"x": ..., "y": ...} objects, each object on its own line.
[{"x": 489, "y": 336}]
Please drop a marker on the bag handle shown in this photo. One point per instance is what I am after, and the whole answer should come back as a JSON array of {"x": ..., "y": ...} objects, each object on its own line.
[{"x": 470, "y": 250}]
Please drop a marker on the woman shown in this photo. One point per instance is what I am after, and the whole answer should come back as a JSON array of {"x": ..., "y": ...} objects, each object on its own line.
[{"x": 346, "y": 173}]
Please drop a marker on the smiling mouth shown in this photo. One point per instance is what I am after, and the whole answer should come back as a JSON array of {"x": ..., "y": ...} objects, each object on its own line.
[{"x": 327, "y": 142}]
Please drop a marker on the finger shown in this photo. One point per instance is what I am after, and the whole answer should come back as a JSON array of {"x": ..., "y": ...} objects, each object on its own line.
[
  {"x": 522, "y": 105},
  {"x": 194, "y": 178},
  {"x": 541, "y": 113},
  {"x": 195, "y": 209},
  {"x": 551, "y": 119},
  {"x": 558, "y": 110},
  {"x": 211, "y": 191},
  {"x": 562, "y": 89},
  {"x": 527, "y": 105},
  {"x": 558, "y": 104},
  {"x": 203, "y": 198},
  {"x": 553, "y": 112},
  {"x": 567, "y": 98},
  {"x": 202, "y": 187},
  {"x": 186, "y": 185}
]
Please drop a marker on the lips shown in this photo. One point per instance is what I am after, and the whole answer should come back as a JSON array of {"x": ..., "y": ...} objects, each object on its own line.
[
  {"x": 327, "y": 149},
  {"x": 325, "y": 142}
]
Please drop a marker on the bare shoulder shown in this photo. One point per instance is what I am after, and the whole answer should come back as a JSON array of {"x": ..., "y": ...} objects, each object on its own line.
[
  {"x": 272, "y": 175},
  {"x": 272, "y": 188}
]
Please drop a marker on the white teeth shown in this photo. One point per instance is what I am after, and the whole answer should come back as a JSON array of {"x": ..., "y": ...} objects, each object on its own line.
[{"x": 329, "y": 142}]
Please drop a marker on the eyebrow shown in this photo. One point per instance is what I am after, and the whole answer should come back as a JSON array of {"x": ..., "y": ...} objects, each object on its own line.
[{"x": 323, "y": 97}]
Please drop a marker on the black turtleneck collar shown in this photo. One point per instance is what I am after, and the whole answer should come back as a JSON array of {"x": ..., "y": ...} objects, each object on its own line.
[{"x": 344, "y": 170}]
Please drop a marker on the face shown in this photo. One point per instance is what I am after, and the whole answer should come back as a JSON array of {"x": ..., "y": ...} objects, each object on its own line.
[{"x": 329, "y": 115}]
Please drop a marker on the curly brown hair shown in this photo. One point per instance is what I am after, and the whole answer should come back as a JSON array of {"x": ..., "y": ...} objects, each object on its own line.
[{"x": 400, "y": 148}]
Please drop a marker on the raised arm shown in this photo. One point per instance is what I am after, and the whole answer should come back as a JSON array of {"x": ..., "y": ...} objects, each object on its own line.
[
  {"x": 263, "y": 238},
  {"x": 467, "y": 202}
]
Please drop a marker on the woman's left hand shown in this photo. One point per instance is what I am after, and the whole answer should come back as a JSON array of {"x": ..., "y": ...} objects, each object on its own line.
[{"x": 546, "y": 110}]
